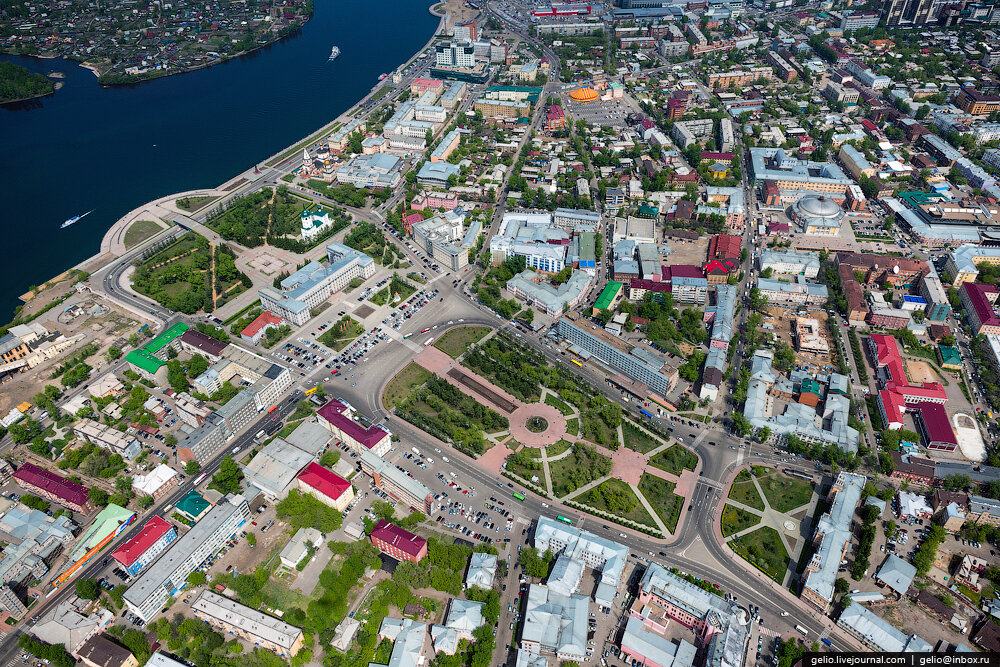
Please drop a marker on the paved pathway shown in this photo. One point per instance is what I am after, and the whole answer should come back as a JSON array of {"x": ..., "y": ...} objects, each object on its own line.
[{"x": 649, "y": 508}]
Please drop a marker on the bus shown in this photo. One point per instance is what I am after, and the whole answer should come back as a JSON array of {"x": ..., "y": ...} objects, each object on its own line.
[
  {"x": 407, "y": 335},
  {"x": 805, "y": 633},
  {"x": 648, "y": 414},
  {"x": 201, "y": 478},
  {"x": 273, "y": 408},
  {"x": 519, "y": 496},
  {"x": 577, "y": 363},
  {"x": 564, "y": 520}
]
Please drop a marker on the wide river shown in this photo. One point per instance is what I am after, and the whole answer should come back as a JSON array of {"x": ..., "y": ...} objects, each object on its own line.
[{"x": 112, "y": 149}]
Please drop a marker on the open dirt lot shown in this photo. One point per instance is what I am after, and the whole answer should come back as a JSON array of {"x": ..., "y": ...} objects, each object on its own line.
[
  {"x": 919, "y": 371},
  {"x": 783, "y": 320},
  {"x": 687, "y": 252},
  {"x": 914, "y": 621}
]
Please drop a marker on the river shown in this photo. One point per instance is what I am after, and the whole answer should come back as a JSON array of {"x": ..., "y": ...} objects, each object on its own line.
[{"x": 113, "y": 149}]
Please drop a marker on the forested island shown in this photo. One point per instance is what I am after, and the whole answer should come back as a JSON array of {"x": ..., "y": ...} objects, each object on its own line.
[{"x": 18, "y": 83}]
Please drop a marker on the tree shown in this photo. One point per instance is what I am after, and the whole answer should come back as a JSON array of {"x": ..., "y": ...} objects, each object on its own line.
[
  {"x": 87, "y": 589},
  {"x": 229, "y": 477},
  {"x": 842, "y": 586},
  {"x": 197, "y": 578},
  {"x": 192, "y": 467},
  {"x": 145, "y": 502},
  {"x": 98, "y": 496}
]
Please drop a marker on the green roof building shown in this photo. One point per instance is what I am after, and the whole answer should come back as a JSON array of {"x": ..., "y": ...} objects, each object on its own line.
[
  {"x": 193, "y": 505},
  {"x": 143, "y": 361},
  {"x": 951, "y": 358},
  {"x": 647, "y": 211},
  {"x": 166, "y": 338},
  {"x": 810, "y": 387},
  {"x": 110, "y": 520},
  {"x": 588, "y": 250},
  {"x": 609, "y": 297}
]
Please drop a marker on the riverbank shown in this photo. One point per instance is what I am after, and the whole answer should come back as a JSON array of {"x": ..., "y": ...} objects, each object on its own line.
[{"x": 112, "y": 245}]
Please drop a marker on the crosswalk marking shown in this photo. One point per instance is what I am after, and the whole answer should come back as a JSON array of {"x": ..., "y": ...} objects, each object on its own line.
[{"x": 768, "y": 632}]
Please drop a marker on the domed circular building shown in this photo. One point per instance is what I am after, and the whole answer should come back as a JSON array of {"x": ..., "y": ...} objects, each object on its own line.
[
  {"x": 584, "y": 95},
  {"x": 817, "y": 215}
]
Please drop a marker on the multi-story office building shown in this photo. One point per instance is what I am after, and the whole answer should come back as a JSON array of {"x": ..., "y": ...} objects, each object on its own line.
[
  {"x": 337, "y": 416},
  {"x": 400, "y": 544},
  {"x": 726, "y": 140},
  {"x": 594, "y": 551},
  {"x": 640, "y": 363},
  {"x": 931, "y": 288},
  {"x": 107, "y": 437},
  {"x": 455, "y": 54},
  {"x": 979, "y": 301},
  {"x": 326, "y": 486},
  {"x": 151, "y": 540},
  {"x": 857, "y": 20},
  {"x": 832, "y": 538},
  {"x": 974, "y": 102},
  {"x": 231, "y": 617},
  {"x": 314, "y": 283},
  {"x": 396, "y": 483},
  {"x": 776, "y": 166},
  {"x": 804, "y": 264},
  {"x": 147, "y": 594}
]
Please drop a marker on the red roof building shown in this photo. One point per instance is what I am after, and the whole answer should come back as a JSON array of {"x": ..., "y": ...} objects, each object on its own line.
[
  {"x": 151, "y": 540},
  {"x": 339, "y": 418},
  {"x": 256, "y": 329},
  {"x": 52, "y": 487},
  {"x": 725, "y": 246},
  {"x": 196, "y": 342},
  {"x": 329, "y": 488},
  {"x": 979, "y": 300},
  {"x": 400, "y": 544},
  {"x": 717, "y": 271},
  {"x": 934, "y": 427},
  {"x": 555, "y": 118}
]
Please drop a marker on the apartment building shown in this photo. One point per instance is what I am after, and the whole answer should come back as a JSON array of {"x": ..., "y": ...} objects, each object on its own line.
[
  {"x": 53, "y": 487},
  {"x": 152, "y": 539},
  {"x": 146, "y": 595},
  {"x": 832, "y": 538}
]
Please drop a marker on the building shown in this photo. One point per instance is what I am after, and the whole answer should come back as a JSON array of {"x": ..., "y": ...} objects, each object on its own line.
[
  {"x": 877, "y": 269},
  {"x": 721, "y": 627},
  {"x": 441, "y": 238},
  {"x": 856, "y": 20},
  {"x": 974, "y": 102},
  {"x": 555, "y": 623},
  {"x": 877, "y": 633},
  {"x": 536, "y": 290},
  {"x": 448, "y": 144},
  {"x": 962, "y": 262},
  {"x": 555, "y": 118},
  {"x": 157, "y": 482},
  {"x": 231, "y": 617},
  {"x": 107, "y": 437},
  {"x": 794, "y": 175},
  {"x": 99, "y": 651},
  {"x": 802, "y": 292},
  {"x": 147, "y": 594},
  {"x": 455, "y": 54},
  {"x": 259, "y": 327},
  {"x": 275, "y": 467},
  {"x": 437, "y": 174},
  {"x": 574, "y": 544},
  {"x": 650, "y": 648},
  {"x": 832, "y": 538},
  {"x": 68, "y": 626},
  {"x": 482, "y": 569},
  {"x": 804, "y": 264},
  {"x": 638, "y": 362},
  {"x": 817, "y": 215},
  {"x": 400, "y": 544},
  {"x": 52, "y": 487},
  {"x": 979, "y": 300},
  {"x": 836, "y": 92},
  {"x": 151, "y": 540},
  {"x": 896, "y": 573},
  {"x": 339, "y": 418},
  {"x": 314, "y": 283},
  {"x": 409, "y": 641},
  {"x": 396, "y": 483},
  {"x": 327, "y": 487},
  {"x": 984, "y": 510},
  {"x": 855, "y": 162},
  {"x": 150, "y": 361}
]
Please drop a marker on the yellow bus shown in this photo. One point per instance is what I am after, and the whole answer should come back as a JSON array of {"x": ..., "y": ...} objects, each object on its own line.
[{"x": 577, "y": 363}]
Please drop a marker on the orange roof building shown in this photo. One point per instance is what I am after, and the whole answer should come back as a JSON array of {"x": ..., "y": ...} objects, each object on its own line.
[{"x": 584, "y": 95}]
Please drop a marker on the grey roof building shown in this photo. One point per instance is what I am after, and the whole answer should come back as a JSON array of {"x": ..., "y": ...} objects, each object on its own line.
[
  {"x": 554, "y": 622},
  {"x": 231, "y": 616},
  {"x": 311, "y": 437},
  {"x": 67, "y": 626},
  {"x": 896, "y": 573},
  {"x": 534, "y": 287},
  {"x": 169, "y": 573},
  {"x": 482, "y": 568},
  {"x": 593, "y": 550},
  {"x": 275, "y": 467},
  {"x": 408, "y": 639},
  {"x": 877, "y": 633},
  {"x": 774, "y": 164},
  {"x": 833, "y": 533},
  {"x": 651, "y": 648}
]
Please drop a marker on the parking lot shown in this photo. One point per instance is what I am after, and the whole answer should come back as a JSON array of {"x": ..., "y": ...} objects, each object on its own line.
[{"x": 600, "y": 113}]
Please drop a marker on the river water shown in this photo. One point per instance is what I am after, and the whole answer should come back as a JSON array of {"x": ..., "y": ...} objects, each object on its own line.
[{"x": 112, "y": 149}]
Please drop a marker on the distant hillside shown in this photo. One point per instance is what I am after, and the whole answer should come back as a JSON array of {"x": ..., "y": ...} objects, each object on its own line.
[{"x": 18, "y": 83}]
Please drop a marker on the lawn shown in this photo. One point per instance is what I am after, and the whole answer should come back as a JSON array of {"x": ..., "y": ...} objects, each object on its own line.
[
  {"x": 616, "y": 497},
  {"x": 675, "y": 459},
  {"x": 785, "y": 493},
  {"x": 581, "y": 467},
  {"x": 526, "y": 467},
  {"x": 763, "y": 549},
  {"x": 341, "y": 333},
  {"x": 139, "y": 231},
  {"x": 193, "y": 203},
  {"x": 735, "y": 519},
  {"x": 406, "y": 380},
  {"x": 638, "y": 439},
  {"x": 559, "y": 404},
  {"x": 456, "y": 341},
  {"x": 558, "y": 448},
  {"x": 660, "y": 494},
  {"x": 745, "y": 493},
  {"x": 597, "y": 431},
  {"x": 573, "y": 426},
  {"x": 401, "y": 289}
]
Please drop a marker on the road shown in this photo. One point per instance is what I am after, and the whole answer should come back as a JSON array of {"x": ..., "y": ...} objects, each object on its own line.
[{"x": 102, "y": 567}]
